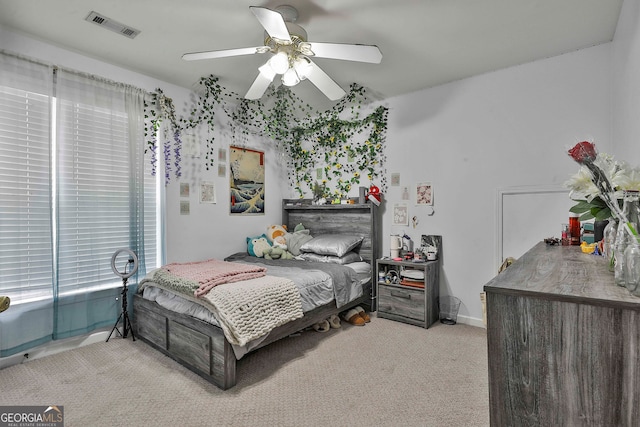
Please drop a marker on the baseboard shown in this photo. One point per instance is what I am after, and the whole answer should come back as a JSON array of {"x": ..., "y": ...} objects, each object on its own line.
[
  {"x": 472, "y": 321},
  {"x": 54, "y": 347}
]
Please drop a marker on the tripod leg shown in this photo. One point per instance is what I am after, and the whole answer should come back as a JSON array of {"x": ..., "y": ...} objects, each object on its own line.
[
  {"x": 124, "y": 315},
  {"x": 115, "y": 328},
  {"x": 128, "y": 327}
]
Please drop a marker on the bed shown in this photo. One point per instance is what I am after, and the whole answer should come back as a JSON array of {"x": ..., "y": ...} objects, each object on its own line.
[{"x": 202, "y": 346}]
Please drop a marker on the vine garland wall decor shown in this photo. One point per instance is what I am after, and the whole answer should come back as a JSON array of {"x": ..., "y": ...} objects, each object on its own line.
[{"x": 327, "y": 152}]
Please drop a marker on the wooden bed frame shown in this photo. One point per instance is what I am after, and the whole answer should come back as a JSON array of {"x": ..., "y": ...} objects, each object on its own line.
[{"x": 202, "y": 347}]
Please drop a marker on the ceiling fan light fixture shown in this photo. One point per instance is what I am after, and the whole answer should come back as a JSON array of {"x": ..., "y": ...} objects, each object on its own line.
[
  {"x": 290, "y": 77},
  {"x": 279, "y": 62},
  {"x": 291, "y": 54},
  {"x": 302, "y": 66}
]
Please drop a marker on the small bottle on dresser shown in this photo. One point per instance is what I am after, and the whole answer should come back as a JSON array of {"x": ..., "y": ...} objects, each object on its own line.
[{"x": 574, "y": 229}]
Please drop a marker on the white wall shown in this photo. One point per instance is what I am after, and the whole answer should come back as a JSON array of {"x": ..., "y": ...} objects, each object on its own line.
[
  {"x": 475, "y": 137},
  {"x": 626, "y": 84},
  {"x": 210, "y": 231}
]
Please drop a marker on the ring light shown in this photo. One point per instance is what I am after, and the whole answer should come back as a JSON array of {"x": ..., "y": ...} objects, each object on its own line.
[{"x": 132, "y": 256}]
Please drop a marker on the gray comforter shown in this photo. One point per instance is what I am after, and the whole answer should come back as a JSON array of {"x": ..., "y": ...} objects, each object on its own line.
[{"x": 340, "y": 282}]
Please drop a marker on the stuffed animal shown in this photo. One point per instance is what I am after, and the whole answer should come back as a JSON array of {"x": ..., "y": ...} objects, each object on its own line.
[
  {"x": 277, "y": 252},
  {"x": 256, "y": 246},
  {"x": 276, "y": 234},
  {"x": 295, "y": 240}
]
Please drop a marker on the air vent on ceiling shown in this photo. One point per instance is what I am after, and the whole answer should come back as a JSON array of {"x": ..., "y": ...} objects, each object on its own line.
[{"x": 112, "y": 25}]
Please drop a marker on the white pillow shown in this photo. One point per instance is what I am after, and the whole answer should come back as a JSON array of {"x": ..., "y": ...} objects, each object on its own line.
[{"x": 332, "y": 244}]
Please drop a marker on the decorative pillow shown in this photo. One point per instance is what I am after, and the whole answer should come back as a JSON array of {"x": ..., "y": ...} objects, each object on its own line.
[
  {"x": 332, "y": 244},
  {"x": 347, "y": 258}
]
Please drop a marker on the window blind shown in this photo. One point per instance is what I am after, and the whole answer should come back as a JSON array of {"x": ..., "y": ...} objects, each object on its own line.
[{"x": 26, "y": 264}]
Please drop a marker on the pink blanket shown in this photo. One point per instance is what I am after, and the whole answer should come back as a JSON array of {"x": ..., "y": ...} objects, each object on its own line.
[{"x": 213, "y": 272}]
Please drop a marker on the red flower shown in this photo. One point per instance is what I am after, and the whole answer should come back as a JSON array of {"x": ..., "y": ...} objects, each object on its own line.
[{"x": 583, "y": 151}]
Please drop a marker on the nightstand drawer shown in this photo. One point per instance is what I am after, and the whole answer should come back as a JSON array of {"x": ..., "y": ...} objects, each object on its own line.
[{"x": 401, "y": 301}]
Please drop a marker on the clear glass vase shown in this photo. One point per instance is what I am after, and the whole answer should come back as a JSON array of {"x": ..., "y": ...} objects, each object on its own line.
[
  {"x": 631, "y": 210},
  {"x": 608, "y": 242},
  {"x": 632, "y": 268}
]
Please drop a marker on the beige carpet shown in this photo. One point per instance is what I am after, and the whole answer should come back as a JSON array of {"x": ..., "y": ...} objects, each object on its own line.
[{"x": 383, "y": 374}]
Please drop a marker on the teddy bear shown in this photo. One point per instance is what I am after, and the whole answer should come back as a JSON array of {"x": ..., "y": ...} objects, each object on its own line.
[{"x": 256, "y": 246}]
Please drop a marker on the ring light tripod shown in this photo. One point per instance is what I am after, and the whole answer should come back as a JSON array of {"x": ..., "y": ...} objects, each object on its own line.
[{"x": 124, "y": 314}]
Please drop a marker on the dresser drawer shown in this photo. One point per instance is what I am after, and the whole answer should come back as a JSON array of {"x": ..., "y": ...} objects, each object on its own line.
[{"x": 402, "y": 301}]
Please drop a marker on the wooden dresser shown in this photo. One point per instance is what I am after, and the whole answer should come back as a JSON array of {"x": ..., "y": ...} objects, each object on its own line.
[{"x": 563, "y": 342}]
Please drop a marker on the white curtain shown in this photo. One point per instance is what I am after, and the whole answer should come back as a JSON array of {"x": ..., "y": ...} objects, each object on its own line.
[
  {"x": 73, "y": 190},
  {"x": 100, "y": 196}
]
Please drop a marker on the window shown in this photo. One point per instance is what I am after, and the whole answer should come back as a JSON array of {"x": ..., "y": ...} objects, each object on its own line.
[{"x": 74, "y": 187}]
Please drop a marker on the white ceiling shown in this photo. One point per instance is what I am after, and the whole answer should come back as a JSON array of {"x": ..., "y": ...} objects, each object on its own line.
[{"x": 424, "y": 43}]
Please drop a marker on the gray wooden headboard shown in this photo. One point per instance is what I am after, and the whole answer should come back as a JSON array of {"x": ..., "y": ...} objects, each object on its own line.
[{"x": 362, "y": 219}]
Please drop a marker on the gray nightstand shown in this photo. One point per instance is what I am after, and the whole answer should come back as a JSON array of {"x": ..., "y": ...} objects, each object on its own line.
[{"x": 404, "y": 296}]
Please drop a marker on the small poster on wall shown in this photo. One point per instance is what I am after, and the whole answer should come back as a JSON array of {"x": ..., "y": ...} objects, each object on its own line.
[
  {"x": 184, "y": 207},
  {"x": 184, "y": 189},
  {"x": 246, "y": 181},
  {"x": 207, "y": 192},
  {"x": 424, "y": 194},
  {"x": 400, "y": 214}
]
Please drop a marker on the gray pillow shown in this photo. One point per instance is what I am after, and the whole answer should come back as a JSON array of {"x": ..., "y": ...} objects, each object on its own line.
[
  {"x": 348, "y": 258},
  {"x": 332, "y": 244}
]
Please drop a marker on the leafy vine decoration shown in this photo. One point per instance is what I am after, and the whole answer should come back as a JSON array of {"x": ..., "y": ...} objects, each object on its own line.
[
  {"x": 335, "y": 149},
  {"x": 160, "y": 108}
]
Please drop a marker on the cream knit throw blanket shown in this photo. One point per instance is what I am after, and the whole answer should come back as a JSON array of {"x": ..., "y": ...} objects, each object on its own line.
[{"x": 252, "y": 308}]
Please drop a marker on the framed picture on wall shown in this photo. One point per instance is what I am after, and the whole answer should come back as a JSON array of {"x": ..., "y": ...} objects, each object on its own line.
[
  {"x": 207, "y": 192},
  {"x": 184, "y": 189},
  {"x": 424, "y": 194},
  {"x": 400, "y": 214},
  {"x": 246, "y": 181},
  {"x": 184, "y": 207}
]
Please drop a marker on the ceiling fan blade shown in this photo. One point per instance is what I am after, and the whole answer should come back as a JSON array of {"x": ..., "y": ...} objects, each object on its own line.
[
  {"x": 272, "y": 22},
  {"x": 194, "y": 56},
  {"x": 325, "y": 83},
  {"x": 348, "y": 52},
  {"x": 261, "y": 83}
]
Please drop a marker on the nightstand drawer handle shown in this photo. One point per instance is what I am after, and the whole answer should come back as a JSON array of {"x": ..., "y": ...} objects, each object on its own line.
[{"x": 400, "y": 295}]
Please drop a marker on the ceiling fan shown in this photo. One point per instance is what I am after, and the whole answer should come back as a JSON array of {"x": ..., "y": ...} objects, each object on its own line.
[{"x": 291, "y": 54}]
